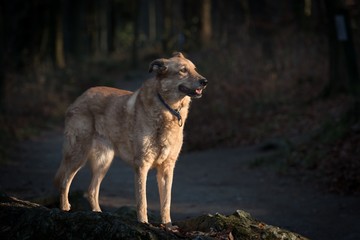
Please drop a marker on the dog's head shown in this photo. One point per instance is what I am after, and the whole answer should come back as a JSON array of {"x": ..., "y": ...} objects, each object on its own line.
[{"x": 178, "y": 76}]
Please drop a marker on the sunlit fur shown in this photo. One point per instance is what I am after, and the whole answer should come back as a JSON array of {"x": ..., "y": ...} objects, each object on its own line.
[{"x": 104, "y": 122}]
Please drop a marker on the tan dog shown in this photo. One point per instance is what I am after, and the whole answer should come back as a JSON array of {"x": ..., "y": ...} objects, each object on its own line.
[{"x": 145, "y": 128}]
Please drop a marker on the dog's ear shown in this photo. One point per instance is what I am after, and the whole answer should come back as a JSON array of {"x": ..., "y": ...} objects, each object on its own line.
[
  {"x": 158, "y": 66},
  {"x": 178, "y": 54}
]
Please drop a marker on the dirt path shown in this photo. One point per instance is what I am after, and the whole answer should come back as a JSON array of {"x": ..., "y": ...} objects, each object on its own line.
[{"x": 205, "y": 182}]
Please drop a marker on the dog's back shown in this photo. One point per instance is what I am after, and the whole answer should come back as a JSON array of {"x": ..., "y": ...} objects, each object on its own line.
[{"x": 95, "y": 101}]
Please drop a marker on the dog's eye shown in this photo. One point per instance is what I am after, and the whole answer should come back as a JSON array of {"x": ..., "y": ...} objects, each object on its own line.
[{"x": 183, "y": 70}]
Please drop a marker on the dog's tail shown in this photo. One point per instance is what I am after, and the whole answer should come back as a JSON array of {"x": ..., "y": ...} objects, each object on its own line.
[
  {"x": 59, "y": 176},
  {"x": 68, "y": 144}
]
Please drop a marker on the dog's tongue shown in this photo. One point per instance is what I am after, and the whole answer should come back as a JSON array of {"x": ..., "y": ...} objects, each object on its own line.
[{"x": 198, "y": 91}]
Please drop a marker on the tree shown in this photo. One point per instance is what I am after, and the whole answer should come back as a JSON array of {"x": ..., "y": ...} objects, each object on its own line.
[
  {"x": 206, "y": 25},
  {"x": 343, "y": 73},
  {"x": 167, "y": 24},
  {"x": 59, "y": 39},
  {"x": 177, "y": 36},
  {"x": 136, "y": 26}
]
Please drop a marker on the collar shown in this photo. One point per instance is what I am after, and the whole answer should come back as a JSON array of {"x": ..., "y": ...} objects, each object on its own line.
[{"x": 175, "y": 112}]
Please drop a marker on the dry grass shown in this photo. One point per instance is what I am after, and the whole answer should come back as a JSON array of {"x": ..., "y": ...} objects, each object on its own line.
[{"x": 252, "y": 97}]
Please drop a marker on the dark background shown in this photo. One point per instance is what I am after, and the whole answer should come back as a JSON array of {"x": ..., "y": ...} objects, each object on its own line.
[{"x": 282, "y": 73}]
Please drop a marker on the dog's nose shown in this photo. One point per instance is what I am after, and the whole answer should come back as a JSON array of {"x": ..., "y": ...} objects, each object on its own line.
[{"x": 203, "y": 82}]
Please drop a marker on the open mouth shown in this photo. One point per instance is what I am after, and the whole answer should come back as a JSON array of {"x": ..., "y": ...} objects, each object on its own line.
[{"x": 194, "y": 93}]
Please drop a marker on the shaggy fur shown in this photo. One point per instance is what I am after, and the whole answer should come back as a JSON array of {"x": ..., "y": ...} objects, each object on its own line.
[{"x": 137, "y": 126}]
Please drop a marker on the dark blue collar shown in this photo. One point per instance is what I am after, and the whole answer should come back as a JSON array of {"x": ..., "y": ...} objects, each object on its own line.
[{"x": 174, "y": 112}]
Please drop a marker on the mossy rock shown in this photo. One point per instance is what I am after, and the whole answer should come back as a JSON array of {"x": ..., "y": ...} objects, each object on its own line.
[
  {"x": 26, "y": 220},
  {"x": 239, "y": 225}
]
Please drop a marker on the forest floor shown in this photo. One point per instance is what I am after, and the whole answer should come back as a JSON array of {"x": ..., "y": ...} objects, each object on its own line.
[{"x": 219, "y": 180}]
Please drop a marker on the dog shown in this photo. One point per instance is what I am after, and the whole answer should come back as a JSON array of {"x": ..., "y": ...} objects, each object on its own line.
[{"x": 144, "y": 128}]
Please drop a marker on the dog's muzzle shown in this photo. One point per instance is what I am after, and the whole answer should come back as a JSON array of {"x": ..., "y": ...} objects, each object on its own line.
[{"x": 194, "y": 92}]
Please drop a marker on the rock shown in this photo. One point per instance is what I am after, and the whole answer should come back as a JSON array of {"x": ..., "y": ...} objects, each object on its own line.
[
  {"x": 129, "y": 213},
  {"x": 239, "y": 225},
  {"x": 26, "y": 220}
]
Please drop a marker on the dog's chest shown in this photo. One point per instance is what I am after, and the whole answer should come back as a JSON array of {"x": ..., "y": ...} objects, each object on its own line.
[{"x": 165, "y": 146}]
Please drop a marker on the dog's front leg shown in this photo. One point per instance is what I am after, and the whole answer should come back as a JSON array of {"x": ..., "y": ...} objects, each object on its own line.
[
  {"x": 165, "y": 179},
  {"x": 141, "y": 173}
]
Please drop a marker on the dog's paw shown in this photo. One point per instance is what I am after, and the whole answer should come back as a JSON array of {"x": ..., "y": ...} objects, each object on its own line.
[{"x": 65, "y": 207}]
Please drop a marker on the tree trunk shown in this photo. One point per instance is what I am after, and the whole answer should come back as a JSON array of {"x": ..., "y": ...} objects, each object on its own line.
[
  {"x": 152, "y": 20},
  {"x": 136, "y": 26},
  {"x": 177, "y": 35},
  {"x": 332, "y": 84},
  {"x": 167, "y": 24},
  {"x": 2, "y": 59},
  {"x": 59, "y": 40},
  {"x": 351, "y": 59},
  {"x": 247, "y": 16},
  {"x": 111, "y": 27},
  {"x": 206, "y": 25},
  {"x": 103, "y": 13},
  {"x": 343, "y": 72}
]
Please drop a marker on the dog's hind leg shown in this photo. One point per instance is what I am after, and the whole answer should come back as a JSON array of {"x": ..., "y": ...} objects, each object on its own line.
[
  {"x": 76, "y": 148},
  {"x": 72, "y": 162},
  {"x": 100, "y": 158}
]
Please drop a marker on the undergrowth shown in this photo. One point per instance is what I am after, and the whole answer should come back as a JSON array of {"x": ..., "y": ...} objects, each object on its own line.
[
  {"x": 251, "y": 96},
  {"x": 334, "y": 153}
]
